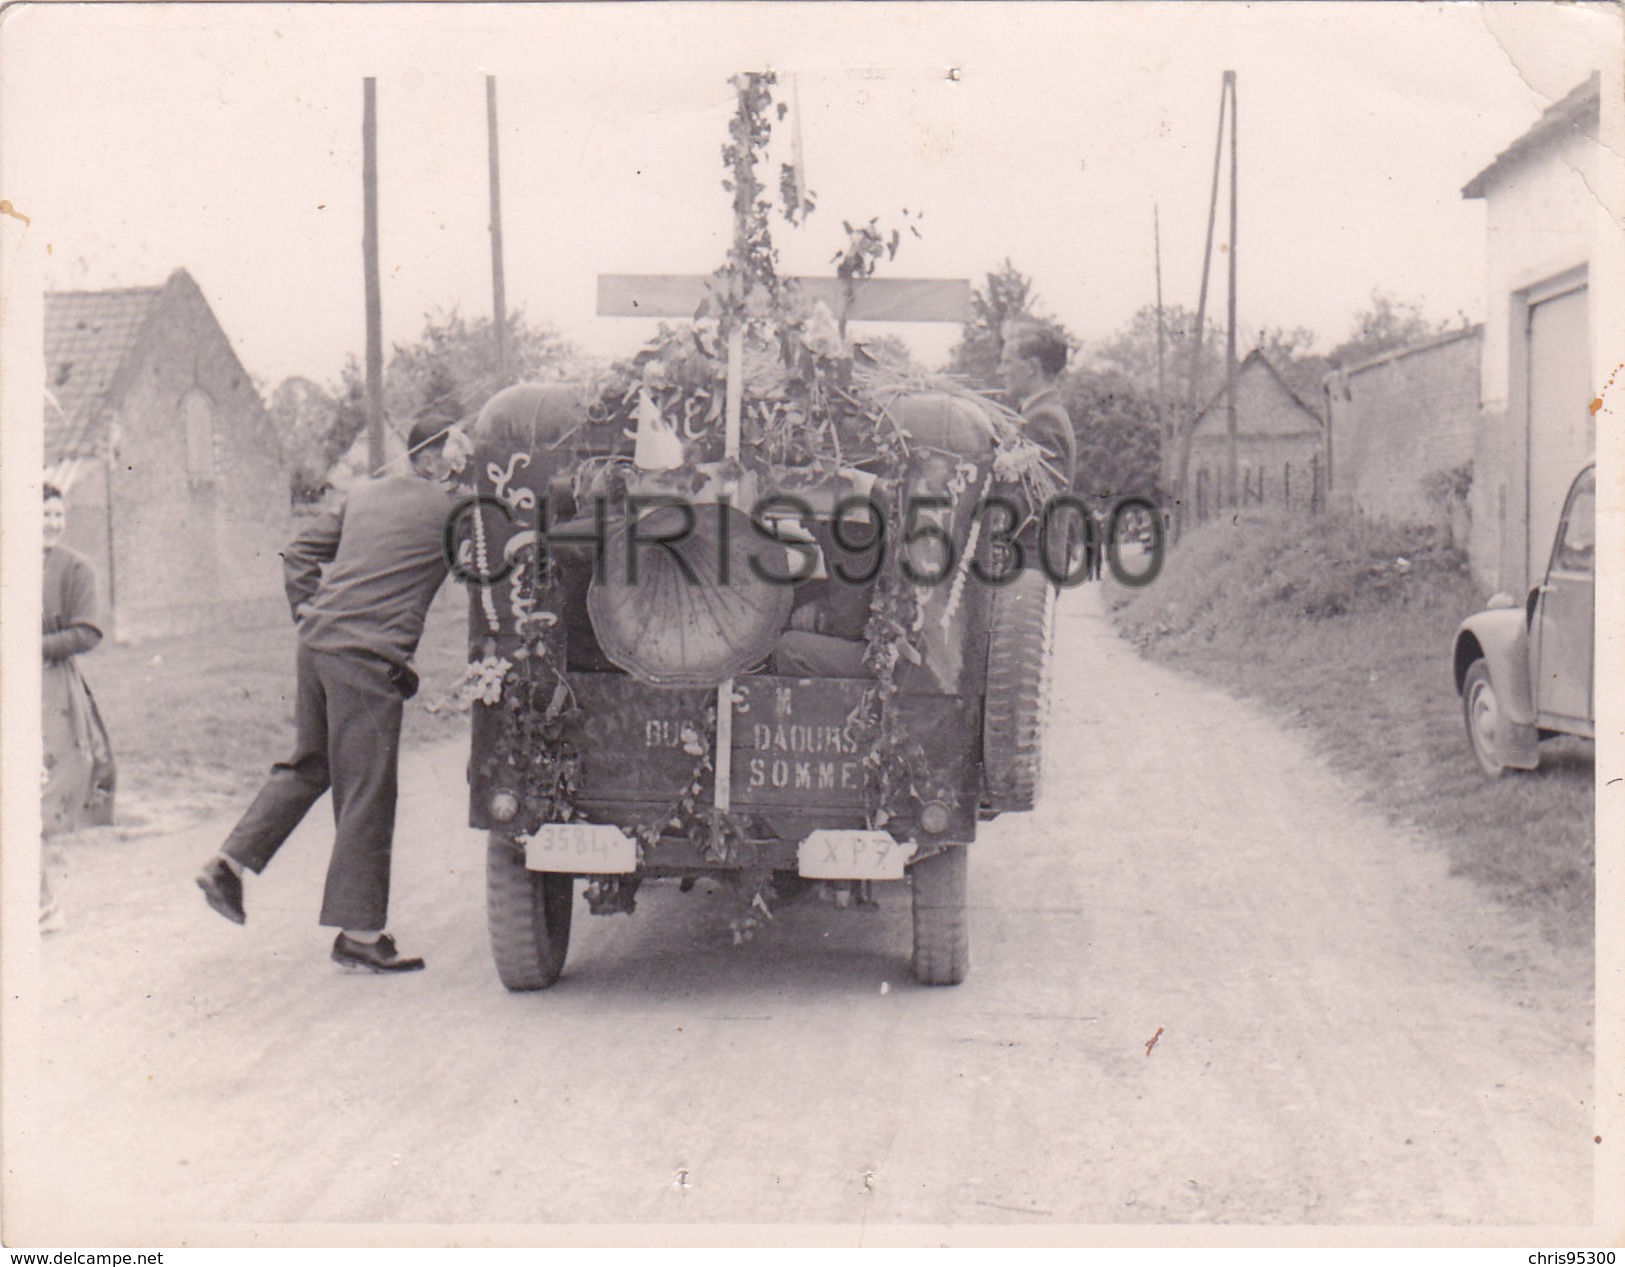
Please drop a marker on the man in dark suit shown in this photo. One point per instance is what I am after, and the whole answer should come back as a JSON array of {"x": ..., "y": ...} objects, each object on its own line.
[
  {"x": 1033, "y": 360},
  {"x": 360, "y": 580}
]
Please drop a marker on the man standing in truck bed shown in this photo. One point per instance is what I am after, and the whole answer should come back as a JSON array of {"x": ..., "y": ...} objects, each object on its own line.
[{"x": 359, "y": 580}]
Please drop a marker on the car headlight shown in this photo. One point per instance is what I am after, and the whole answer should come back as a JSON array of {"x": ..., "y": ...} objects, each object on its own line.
[
  {"x": 934, "y": 818},
  {"x": 504, "y": 806}
]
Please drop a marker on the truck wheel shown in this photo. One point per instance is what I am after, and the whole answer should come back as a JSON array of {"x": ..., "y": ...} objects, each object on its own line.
[
  {"x": 941, "y": 925},
  {"x": 1019, "y": 650},
  {"x": 528, "y": 914},
  {"x": 1482, "y": 712}
]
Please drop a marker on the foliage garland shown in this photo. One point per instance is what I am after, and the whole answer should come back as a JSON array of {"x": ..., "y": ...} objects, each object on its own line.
[
  {"x": 536, "y": 703},
  {"x": 807, "y": 413}
]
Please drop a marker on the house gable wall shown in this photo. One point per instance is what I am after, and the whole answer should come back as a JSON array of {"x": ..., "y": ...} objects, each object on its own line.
[
  {"x": 88, "y": 530},
  {"x": 1264, "y": 407},
  {"x": 1274, "y": 433},
  {"x": 196, "y": 543},
  {"x": 1544, "y": 222}
]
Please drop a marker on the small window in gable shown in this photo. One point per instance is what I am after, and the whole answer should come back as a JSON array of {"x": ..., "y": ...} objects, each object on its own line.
[{"x": 197, "y": 415}]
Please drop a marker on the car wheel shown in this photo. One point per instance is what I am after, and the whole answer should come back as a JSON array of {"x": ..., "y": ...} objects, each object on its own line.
[
  {"x": 1020, "y": 653},
  {"x": 528, "y": 915},
  {"x": 941, "y": 929},
  {"x": 1481, "y": 709}
]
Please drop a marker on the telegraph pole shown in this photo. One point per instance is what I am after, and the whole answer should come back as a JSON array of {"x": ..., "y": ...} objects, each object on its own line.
[
  {"x": 1230, "y": 336},
  {"x": 499, "y": 301},
  {"x": 1187, "y": 422},
  {"x": 1162, "y": 337},
  {"x": 369, "y": 252}
]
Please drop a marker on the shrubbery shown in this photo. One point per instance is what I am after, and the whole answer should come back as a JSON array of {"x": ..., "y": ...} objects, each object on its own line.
[{"x": 1269, "y": 565}]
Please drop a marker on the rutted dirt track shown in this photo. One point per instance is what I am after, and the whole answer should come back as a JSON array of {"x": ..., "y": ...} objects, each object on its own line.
[{"x": 1347, "y": 1034}]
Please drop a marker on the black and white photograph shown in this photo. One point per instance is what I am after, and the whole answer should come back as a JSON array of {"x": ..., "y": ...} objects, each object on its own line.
[{"x": 812, "y": 624}]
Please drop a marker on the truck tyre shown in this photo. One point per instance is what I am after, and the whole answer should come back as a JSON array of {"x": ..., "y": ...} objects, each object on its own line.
[
  {"x": 941, "y": 924},
  {"x": 1020, "y": 641},
  {"x": 528, "y": 914}
]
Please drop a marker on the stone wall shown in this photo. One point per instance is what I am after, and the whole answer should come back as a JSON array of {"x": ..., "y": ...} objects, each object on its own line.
[{"x": 1400, "y": 418}]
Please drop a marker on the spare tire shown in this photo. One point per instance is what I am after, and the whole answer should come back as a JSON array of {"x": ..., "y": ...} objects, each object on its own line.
[{"x": 1020, "y": 639}]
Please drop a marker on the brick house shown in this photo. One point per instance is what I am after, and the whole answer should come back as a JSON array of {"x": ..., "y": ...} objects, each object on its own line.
[
  {"x": 172, "y": 471},
  {"x": 1401, "y": 420},
  {"x": 1551, "y": 239},
  {"x": 1280, "y": 441}
]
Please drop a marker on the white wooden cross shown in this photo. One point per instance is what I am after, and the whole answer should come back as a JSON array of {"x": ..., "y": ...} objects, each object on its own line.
[
  {"x": 873, "y": 298},
  {"x": 865, "y": 299}
]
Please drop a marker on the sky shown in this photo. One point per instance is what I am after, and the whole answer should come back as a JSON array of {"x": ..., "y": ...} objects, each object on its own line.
[{"x": 227, "y": 140}]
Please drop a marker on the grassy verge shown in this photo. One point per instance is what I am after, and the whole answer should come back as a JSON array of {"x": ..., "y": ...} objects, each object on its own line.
[
  {"x": 196, "y": 721},
  {"x": 1345, "y": 626}
]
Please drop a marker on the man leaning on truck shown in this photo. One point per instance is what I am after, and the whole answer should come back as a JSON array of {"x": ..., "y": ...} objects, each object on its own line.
[{"x": 359, "y": 580}]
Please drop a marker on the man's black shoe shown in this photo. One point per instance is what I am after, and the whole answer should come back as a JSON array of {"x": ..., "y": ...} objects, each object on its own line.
[
  {"x": 374, "y": 956},
  {"x": 223, "y": 887}
]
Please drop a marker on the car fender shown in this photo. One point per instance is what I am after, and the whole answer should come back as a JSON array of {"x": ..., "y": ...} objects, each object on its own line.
[{"x": 1499, "y": 637}]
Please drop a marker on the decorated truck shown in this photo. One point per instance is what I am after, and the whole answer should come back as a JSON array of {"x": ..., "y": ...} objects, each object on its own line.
[
  {"x": 630, "y": 721},
  {"x": 757, "y": 606}
]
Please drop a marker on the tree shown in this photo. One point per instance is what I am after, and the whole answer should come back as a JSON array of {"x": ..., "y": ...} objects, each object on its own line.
[
  {"x": 1007, "y": 298},
  {"x": 315, "y": 425},
  {"x": 451, "y": 370},
  {"x": 1119, "y": 445},
  {"x": 1387, "y": 324},
  {"x": 446, "y": 375},
  {"x": 1185, "y": 385},
  {"x": 301, "y": 412}
]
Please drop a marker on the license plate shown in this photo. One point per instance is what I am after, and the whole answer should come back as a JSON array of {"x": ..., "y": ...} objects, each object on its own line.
[
  {"x": 852, "y": 855},
  {"x": 582, "y": 849}
]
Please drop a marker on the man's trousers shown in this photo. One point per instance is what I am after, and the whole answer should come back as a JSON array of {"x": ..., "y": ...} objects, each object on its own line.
[{"x": 347, "y": 721}]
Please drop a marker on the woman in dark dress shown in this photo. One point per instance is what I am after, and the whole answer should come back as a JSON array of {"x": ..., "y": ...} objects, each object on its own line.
[{"x": 74, "y": 741}]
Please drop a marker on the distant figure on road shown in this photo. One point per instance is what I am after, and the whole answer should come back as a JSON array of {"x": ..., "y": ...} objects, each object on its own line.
[
  {"x": 77, "y": 779},
  {"x": 359, "y": 580},
  {"x": 1033, "y": 359}
]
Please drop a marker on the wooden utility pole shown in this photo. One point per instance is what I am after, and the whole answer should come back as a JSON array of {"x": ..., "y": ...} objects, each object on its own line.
[
  {"x": 499, "y": 299},
  {"x": 1162, "y": 336},
  {"x": 1187, "y": 423},
  {"x": 1230, "y": 335},
  {"x": 369, "y": 251}
]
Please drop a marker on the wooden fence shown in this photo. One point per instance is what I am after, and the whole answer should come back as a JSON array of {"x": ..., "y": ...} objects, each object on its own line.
[{"x": 1295, "y": 485}]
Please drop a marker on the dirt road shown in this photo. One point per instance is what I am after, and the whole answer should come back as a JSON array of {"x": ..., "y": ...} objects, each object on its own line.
[{"x": 1344, "y": 1034}]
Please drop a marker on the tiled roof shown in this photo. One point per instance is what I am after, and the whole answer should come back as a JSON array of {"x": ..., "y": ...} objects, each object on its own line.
[
  {"x": 88, "y": 336},
  {"x": 1580, "y": 111}
]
